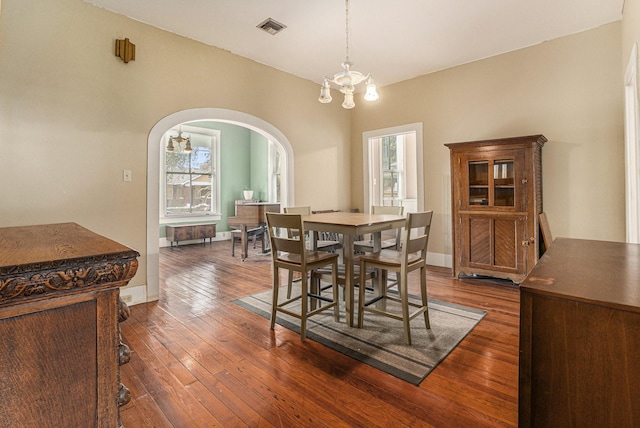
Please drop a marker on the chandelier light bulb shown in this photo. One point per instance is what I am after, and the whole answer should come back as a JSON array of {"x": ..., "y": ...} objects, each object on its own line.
[
  {"x": 325, "y": 92},
  {"x": 372, "y": 91},
  {"x": 348, "y": 101}
]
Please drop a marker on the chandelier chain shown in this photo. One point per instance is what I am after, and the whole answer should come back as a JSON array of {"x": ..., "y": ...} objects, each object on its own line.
[{"x": 347, "y": 28}]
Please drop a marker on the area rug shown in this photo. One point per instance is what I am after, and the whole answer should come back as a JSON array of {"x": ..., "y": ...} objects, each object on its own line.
[{"x": 380, "y": 343}]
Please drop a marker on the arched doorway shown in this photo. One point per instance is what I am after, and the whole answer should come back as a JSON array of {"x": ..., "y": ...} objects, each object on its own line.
[{"x": 153, "y": 186}]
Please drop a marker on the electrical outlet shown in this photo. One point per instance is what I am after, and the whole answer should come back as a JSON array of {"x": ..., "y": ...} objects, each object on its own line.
[
  {"x": 127, "y": 298},
  {"x": 126, "y": 175}
]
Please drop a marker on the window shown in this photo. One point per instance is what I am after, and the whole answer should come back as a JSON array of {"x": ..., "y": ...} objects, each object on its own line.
[
  {"x": 190, "y": 179},
  {"x": 392, "y": 167},
  {"x": 392, "y": 150},
  {"x": 392, "y": 174}
]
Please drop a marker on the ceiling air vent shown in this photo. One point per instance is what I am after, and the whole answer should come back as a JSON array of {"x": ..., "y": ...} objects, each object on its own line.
[{"x": 271, "y": 26}]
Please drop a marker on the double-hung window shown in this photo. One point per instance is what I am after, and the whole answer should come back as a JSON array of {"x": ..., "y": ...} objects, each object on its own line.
[
  {"x": 392, "y": 157},
  {"x": 190, "y": 177}
]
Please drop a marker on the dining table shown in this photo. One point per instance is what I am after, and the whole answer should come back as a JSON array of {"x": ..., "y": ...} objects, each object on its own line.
[{"x": 351, "y": 225}]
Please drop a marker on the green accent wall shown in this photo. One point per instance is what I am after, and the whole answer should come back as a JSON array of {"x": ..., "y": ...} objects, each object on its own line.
[{"x": 259, "y": 166}]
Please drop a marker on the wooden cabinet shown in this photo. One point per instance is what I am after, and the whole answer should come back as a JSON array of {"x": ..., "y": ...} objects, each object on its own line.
[
  {"x": 59, "y": 313},
  {"x": 496, "y": 197},
  {"x": 580, "y": 337},
  {"x": 189, "y": 232}
]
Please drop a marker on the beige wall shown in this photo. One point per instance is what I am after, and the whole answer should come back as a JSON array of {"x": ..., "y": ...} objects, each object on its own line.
[
  {"x": 568, "y": 89},
  {"x": 630, "y": 29},
  {"x": 73, "y": 116}
]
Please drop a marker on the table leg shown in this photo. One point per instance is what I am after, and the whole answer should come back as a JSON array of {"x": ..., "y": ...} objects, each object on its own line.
[
  {"x": 380, "y": 279},
  {"x": 244, "y": 242},
  {"x": 349, "y": 277}
]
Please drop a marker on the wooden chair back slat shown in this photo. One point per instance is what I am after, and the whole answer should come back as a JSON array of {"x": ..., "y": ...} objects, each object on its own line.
[
  {"x": 302, "y": 210},
  {"x": 291, "y": 224},
  {"x": 385, "y": 209}
]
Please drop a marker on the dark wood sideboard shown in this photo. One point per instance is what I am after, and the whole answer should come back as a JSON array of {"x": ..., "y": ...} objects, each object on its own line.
[
  {"x": 188, "y": 232},
  {"x": 59, "y": 315},
  {"x": 580, "y": 336}
]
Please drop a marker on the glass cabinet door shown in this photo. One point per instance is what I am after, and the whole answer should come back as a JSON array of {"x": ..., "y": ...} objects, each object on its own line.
[
  {"x": 479, "y": 183},
  {"x": 492, "y": 179},
  {"x": 503, "y": 183}
]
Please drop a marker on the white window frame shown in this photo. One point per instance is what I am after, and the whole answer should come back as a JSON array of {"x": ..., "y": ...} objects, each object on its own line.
[
  {"x": 378, "y": 197},
  {"x": 214, "y": 137},
  {"x": 397, "y": 130}
]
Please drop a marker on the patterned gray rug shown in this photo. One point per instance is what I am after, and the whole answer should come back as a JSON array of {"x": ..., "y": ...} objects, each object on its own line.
[{"x": 380, "y": 343}]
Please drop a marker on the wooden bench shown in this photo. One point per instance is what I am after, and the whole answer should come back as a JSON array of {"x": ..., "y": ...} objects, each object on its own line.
[{"x": 188, "y": 232}]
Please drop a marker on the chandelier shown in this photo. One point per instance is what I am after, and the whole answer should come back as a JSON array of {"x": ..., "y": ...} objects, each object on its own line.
[
  {"x": 179, "y": 140},
  {"x": 348, "y": 79}
]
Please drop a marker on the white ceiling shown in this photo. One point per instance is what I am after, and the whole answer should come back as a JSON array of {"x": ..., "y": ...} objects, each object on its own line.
[{"x": 392, "y": 40}]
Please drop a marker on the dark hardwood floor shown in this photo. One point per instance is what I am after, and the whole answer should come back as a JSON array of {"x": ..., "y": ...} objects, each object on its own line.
[{"x": 198, "y": 360}]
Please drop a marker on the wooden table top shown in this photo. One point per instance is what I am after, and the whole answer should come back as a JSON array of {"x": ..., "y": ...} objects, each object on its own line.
[
  {"x": 599, "y": 272},
  {"x": 352, "y": 220}
]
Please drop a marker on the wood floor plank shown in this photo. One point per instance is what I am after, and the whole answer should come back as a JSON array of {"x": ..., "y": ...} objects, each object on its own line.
[
  {"x": 200, "y": 360},
  {"x": 178, "y": 405}
]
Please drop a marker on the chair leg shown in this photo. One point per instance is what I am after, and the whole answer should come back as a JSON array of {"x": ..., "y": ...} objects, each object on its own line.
[
  {"x": 304, "y": 309},
  {"x": 274, "y": 299},
  {"x": 334, "y": 287},
  {"x": 423, "y": 292},
  {"x": 402, "y": 288},
  {"x": 289, "y": 284},
  {"x": 233, "y": 245}
]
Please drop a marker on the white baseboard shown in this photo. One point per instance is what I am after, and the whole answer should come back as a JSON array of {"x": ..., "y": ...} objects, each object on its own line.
[
  {"x": 134, "y": 295},
  {"x": 439, "y": 259}
]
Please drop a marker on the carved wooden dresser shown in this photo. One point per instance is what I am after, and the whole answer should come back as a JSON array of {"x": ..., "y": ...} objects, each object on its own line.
[{"x": 59, "y": 314}]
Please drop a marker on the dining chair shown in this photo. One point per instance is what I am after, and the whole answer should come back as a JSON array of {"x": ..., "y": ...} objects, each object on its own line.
[
  {"x": 256, "y": 234},
  {"x": 328, "y": 241},
  {"x": 412, "y": 256},
  {"x": 288, "y": 251},
  {"x": 329, "y": 245},
  {"x": 332, "y": 244},
  {"x": 366, "y": 245}
]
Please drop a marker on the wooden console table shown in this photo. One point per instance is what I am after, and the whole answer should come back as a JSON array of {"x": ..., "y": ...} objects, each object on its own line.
[
  {"x": 580, "y": 336},
  {"x": 59, "y": 313},
  {"x": 187, "y": 232}
]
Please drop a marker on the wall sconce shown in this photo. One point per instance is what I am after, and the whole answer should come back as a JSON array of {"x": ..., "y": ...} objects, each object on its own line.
[{"x": 125, "y": 50}]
